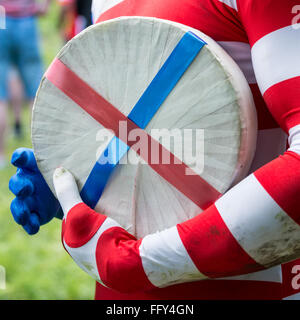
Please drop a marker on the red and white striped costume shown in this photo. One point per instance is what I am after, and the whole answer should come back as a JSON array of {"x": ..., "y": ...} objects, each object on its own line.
[{"x": 243, "y": 238}]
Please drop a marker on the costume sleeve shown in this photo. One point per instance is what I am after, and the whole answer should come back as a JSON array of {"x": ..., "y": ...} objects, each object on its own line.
[{"x": 254, "y": 226}]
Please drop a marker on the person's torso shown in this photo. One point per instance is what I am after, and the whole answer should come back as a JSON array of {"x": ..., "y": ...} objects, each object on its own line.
[{"x": 220, "y": 22}]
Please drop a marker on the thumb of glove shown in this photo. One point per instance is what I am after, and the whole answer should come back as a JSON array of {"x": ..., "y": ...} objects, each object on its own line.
[{"x": 66, "y": 189}]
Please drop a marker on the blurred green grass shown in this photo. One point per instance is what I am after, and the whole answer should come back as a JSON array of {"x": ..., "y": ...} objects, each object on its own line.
[{"x": 37, "y": 267}]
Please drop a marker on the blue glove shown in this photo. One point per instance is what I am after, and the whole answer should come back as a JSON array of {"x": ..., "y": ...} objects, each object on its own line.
[{"x": 34, "y": 204}]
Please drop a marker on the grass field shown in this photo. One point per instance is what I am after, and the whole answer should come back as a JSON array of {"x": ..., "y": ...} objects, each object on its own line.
[{"x": 37, "y": 267}]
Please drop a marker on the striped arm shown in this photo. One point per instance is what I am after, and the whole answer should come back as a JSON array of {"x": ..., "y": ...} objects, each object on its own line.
[
  {"x": 104, "y": 250},
  {"x": 116, "y": 259},
  {"x": 244, "y": 232},
  {"x": 275, "y": 50}
]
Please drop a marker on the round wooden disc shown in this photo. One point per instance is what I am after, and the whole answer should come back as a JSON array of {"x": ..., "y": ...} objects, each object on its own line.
[{"x": 119, "y": 58}]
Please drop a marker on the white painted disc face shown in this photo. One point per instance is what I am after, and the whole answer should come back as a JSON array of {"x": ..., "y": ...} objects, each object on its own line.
[{"x": 119, "y": 58}]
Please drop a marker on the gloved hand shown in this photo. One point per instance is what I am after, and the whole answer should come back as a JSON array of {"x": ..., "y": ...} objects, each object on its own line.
[{"x": 34, "y": 204}]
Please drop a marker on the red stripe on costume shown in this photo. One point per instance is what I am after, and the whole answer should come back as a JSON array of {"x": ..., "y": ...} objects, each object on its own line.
[
  {"x": 202, "y": 290},
  {"x": 175, "y": 172},
  {"x": 214, "y": 18},
  {"x": 82, "y": 224},
  {"x": 291, "y": 278},
  {"x": 213, "y": 249},
  {"x": 280, "y": 178},
  {"x": 119, "y": 262},
  {"x": 283, "y": 100},
  {"x": 263, "y": 17}
]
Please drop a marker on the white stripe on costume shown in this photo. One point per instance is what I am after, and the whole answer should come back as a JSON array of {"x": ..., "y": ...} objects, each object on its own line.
[
  {"x": 165, "y": 259},
  {"x": 100, "y": 6},
  {"x": 85, "y": 256},
  {"x": 230, "y": 3},
  {"x": 294, "y": 139},
  {"x": 259, "y": 225},
  {"x": 276, "y": 57}
]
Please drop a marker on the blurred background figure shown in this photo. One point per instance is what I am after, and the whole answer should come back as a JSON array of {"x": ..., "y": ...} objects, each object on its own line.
[
  {"x": 16, "y": 98},
  {"x": 19, "y": 47},
  {"x": 36, "y": 268},
  {"x": 74, "y": 17}
]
